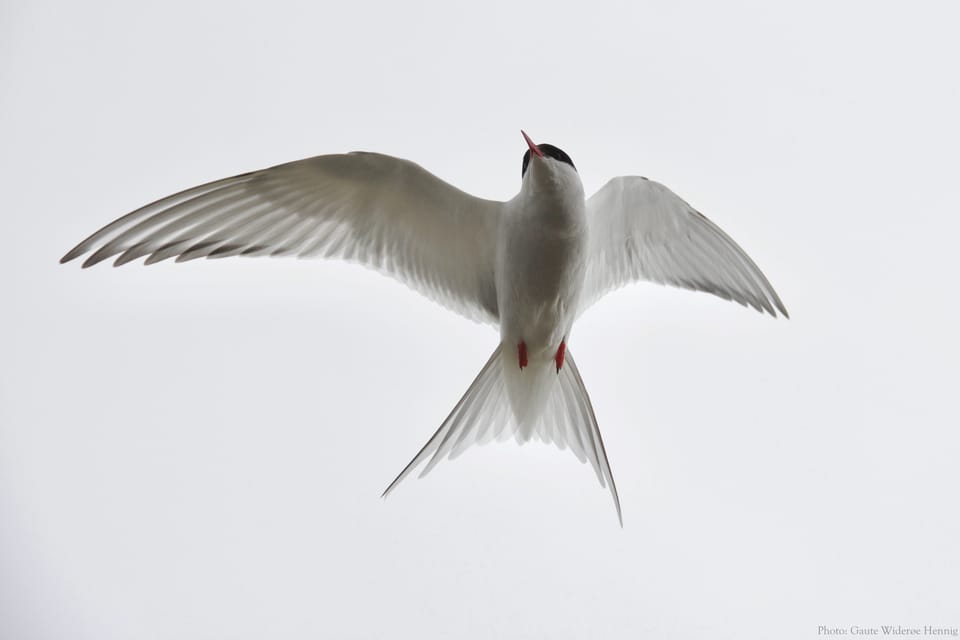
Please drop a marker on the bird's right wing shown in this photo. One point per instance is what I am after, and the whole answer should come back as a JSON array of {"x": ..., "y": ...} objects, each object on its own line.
[
  {"x": 640, "y": 230},
  {"x": 383, "y": 212}
]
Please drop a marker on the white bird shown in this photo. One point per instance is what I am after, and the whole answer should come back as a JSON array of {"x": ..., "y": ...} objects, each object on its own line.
[{"x": 530, "y": 266}]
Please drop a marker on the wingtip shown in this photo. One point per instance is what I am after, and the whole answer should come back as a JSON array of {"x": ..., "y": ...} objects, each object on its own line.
[
  {"x": 779, "y": 307},
  {"x": 396, "y": 481},
  {"x": 73, "y": 254},
  {"x": 766, "y": 307}
]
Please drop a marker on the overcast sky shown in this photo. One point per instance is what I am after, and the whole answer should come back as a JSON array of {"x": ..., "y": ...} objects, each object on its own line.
[{"x": 198, "y": 450}]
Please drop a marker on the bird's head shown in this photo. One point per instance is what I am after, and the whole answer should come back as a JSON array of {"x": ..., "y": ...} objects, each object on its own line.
[{"x": 546, "y": 167}]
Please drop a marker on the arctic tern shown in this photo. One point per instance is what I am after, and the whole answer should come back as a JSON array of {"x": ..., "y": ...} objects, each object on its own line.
[{"x": 529, "y": 266}]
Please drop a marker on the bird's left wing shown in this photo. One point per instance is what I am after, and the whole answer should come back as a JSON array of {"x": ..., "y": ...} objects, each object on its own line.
[
  {"x": 386, "y": 213},
  {"x": 640, "y": 230}
]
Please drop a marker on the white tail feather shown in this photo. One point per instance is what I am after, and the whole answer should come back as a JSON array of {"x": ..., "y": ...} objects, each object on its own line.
[{"x": 485, "y": 413}]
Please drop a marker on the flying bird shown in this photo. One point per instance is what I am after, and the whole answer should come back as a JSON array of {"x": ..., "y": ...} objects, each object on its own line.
[{"x": 529, "y": 266}]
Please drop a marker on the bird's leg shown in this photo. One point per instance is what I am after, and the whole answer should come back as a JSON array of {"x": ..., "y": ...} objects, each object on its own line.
[
  {"x": 522, "y": 353},
  {"x": 561, "y": 351}
]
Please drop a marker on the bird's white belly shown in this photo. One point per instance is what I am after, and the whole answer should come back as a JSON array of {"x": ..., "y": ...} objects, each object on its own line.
[{"x": 539, "y": 287}]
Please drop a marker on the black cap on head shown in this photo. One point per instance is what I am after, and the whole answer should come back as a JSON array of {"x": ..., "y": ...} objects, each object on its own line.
[{"x": 549, "y": 151}]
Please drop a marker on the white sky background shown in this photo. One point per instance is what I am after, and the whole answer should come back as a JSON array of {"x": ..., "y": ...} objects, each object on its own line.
[{"x": 197, "y": 450}]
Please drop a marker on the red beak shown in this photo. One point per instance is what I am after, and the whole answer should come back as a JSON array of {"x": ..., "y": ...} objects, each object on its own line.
[{"x": 533, "y": 148}]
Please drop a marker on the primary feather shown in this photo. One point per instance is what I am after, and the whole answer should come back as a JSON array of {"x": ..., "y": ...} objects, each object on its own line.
[
  {"x": 640, "y": 230},
  {"x": 386, "y": 213}
]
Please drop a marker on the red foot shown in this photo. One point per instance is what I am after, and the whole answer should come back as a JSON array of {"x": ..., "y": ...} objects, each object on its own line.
[
  {"x": 522, "y": 352},
  {"x": 561, "y": 351}
]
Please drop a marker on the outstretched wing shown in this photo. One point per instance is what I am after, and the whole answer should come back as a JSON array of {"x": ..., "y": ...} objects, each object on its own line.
[
  {"x": 640, "y": 230},
  {"x": 386, "y": 213}
]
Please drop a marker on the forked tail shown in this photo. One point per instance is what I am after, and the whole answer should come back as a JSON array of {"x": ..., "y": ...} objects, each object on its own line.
[{"x": 484, "y": 414}]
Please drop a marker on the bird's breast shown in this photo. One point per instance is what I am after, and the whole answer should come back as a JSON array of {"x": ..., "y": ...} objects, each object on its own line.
[{"x": 542, "y": 267}]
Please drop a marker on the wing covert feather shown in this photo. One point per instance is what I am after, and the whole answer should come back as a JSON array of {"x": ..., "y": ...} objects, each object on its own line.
[
  {"x": 386, "y": 213},
  {"x": 640, "y": 230}
]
